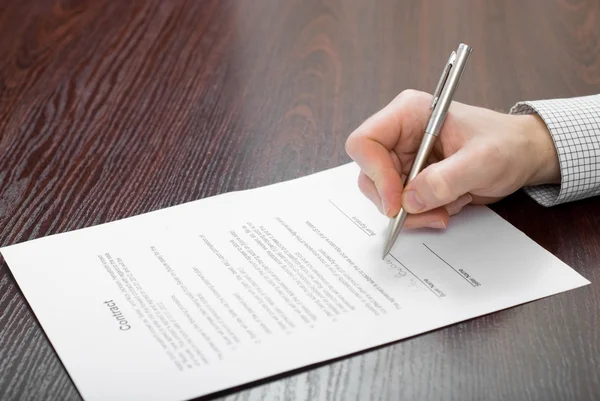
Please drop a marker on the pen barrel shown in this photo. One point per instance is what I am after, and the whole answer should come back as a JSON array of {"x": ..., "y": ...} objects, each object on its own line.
[
  {"x": 422, "y": 156},
  {"x": 442, "y": 97},
  {"x": 419, "y": 164},
  {"x": 450, "y": 85}
]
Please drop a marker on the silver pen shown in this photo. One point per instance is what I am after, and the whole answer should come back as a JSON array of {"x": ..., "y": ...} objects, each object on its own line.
[{"x": 442, "y": 97}]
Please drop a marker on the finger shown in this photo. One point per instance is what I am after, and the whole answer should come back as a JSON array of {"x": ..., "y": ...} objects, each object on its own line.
[
  {"x": 456, "y": 206},
  {"x": 407, "y": 115},
  {"x": 370, "y": 144},
  {"x": 377, "y": 164},
  {"x": 367, "y": 187},
  {"x": 396, "y": 161},
  {"x": 436, "y": 218},
  {"x": 443, "y": 182}
]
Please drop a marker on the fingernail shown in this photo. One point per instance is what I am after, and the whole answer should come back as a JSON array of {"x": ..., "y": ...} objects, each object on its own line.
[
  {"x": 436, "y": 224},
  {"x": 412, "y": 202},
  {"x": 384, "y": 207}
]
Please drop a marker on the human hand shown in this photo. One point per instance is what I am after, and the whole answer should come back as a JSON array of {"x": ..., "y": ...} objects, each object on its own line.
[{"x": 479, "y": 157}]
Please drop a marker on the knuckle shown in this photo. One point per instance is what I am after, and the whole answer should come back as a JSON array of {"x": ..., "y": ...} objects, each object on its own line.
[
  {"x": 492, "y": 153},
  {"x": 412, "y": 95},
  {"x": 364, "y": 183},
  {"x": 496, "y": 161},
  {"x": 351, "y": 145},
  {"x": 376, "y": 176}
]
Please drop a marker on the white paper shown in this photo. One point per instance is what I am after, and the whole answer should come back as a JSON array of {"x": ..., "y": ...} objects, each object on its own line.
[{"x": 211, "y": 294}]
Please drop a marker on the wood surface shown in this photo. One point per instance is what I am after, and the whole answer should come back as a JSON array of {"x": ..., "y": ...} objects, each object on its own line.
[{"x": 110, "y": 109}]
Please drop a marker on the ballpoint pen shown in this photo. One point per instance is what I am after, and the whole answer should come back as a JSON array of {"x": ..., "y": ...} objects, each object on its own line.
[{"x": 442, "y": 97}]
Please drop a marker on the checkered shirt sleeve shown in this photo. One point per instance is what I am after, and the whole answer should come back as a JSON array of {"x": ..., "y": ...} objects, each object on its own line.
[{"x": 575, "y": 128}]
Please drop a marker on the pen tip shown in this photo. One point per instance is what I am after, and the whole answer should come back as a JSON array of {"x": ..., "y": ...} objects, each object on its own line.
[
  {"x": 386, "y": 250},
  {"x": 393, "y": 231}
]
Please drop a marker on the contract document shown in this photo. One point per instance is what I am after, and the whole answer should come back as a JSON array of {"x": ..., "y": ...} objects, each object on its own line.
[{"x": 204, "y": 296}]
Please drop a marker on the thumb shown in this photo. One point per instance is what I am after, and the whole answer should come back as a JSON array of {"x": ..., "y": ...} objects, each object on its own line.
[{"x": 443, "y": 182}]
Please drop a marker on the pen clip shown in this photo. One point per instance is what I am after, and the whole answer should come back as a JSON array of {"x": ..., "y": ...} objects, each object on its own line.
[{"x": 442, "y": 81}]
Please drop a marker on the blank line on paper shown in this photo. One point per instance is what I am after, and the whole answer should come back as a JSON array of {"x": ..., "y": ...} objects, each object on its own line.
[
  {"x": 461, "y": 272},
  {"x": 369, "y": 233}
]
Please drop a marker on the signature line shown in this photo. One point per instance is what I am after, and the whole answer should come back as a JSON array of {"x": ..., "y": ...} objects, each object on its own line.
[
  {"x": 402, "y": 264},
  {"x": 356, "y": 224},
  {"x": 457, "y": 272}
]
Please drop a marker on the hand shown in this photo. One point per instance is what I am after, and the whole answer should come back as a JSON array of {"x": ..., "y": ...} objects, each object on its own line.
[{"x": 479, "y": 157}]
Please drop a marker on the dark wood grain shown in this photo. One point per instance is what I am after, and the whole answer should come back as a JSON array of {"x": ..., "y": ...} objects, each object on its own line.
[{"x": 114, "y": 108}]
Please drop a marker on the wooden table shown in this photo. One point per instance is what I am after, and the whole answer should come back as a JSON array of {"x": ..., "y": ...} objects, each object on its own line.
[{"x": 115, "y": 108}]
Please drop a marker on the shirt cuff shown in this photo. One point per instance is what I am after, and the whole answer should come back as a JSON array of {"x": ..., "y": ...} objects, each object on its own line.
[{"x": 574, "y": 125}]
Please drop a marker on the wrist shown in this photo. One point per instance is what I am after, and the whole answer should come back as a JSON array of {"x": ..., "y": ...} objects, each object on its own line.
[{"x": 545, "y": 167}]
